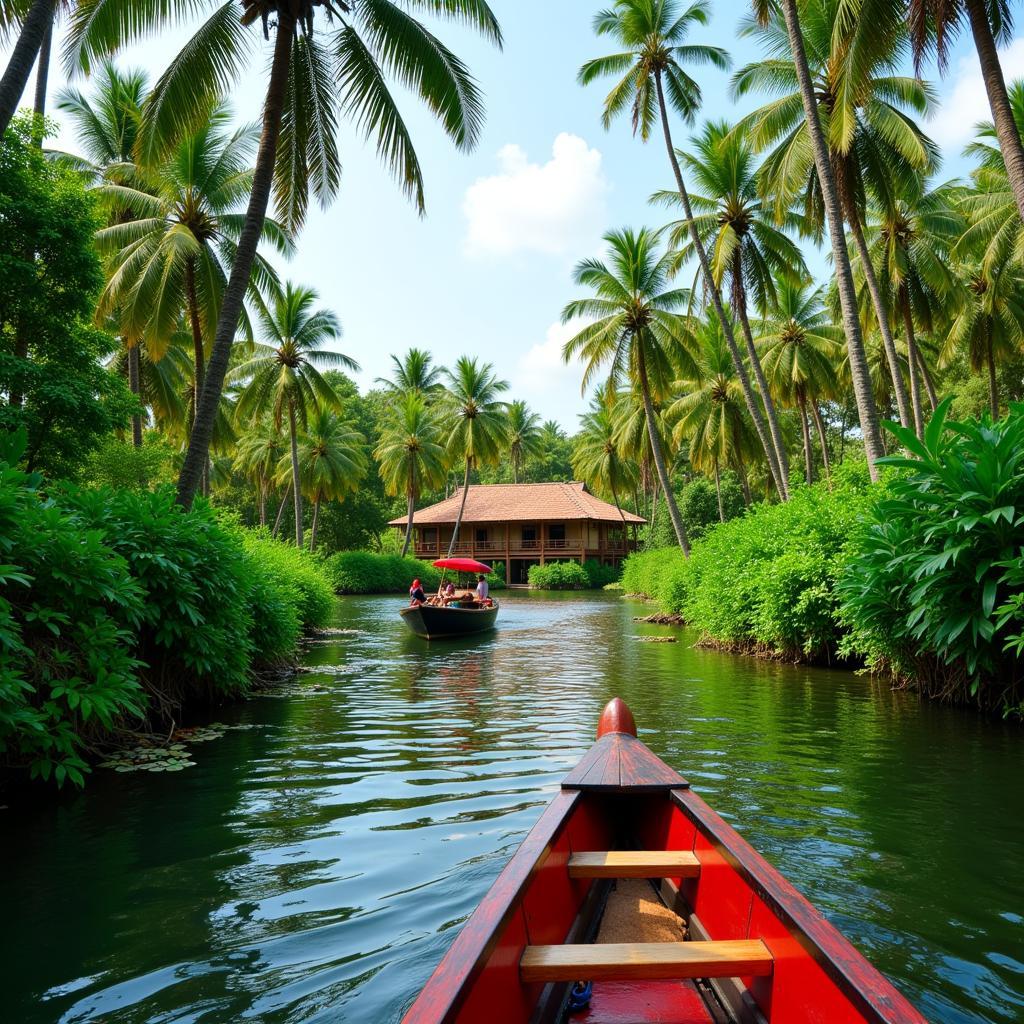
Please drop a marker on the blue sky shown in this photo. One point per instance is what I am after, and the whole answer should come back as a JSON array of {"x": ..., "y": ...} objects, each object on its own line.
[{"x": 487, "y": 272}]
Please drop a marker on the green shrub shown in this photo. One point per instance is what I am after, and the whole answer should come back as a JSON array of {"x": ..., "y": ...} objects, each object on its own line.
[
  {"x": 367, "y": 572},
  {"x": 934, "y": 592},
  {"x": 558, "y": 576},
  {"x": 601, "y": 575}
]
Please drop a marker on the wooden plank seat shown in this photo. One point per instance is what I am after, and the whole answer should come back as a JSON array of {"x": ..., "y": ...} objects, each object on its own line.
[
  {"x": 644, "y": 961},
  {"x": 634, "y": 864}
]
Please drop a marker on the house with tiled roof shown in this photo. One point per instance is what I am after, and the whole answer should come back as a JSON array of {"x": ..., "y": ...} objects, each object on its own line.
[{"x": 526, "y": 524}]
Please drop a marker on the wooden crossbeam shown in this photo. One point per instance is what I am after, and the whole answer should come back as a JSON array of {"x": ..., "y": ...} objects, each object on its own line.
[
  {"x": 643, "y": 961},
  {"x": 634, "y": 864}
]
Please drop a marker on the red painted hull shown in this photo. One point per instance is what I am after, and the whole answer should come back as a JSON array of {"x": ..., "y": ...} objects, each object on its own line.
[{"x": 622, "y": 797}]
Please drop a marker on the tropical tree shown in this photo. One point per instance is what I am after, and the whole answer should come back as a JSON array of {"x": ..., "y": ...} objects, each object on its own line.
[
  {"x": 257, "y": 455},
  {"x": 747, "y": 247},
  {"x": 789, "y": 33},
  {"x": 332, "y": 462},
  {"x": 637, "y": 333},
  {"x": 710, "y": 414},
  {"x": 314, "y": 77},
  {"x": 33, "y": 21},
  {"x": 282, "y": 376},
  {"x": 596, "y": 458},
  {"x": 478, "y": 431},
  {"x": 872, "y": 141},
  {"x": 800, "y": 348},
  {"x": 411, "y": 454},
  {"x": 415, "y": 371},
  {"x": 652, "y": 79},
  {"x": 524, "y": 436}
]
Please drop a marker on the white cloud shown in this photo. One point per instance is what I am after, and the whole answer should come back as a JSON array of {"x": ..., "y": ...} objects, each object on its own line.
[
  {"x": 546, "y": 381},
  {"x": 966, "y": 102},
  {"x": 556, "y": 208}
]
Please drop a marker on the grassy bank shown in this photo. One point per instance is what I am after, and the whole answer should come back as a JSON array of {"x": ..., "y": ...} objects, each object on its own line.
[
  {"x": 367, "y": 572},
  {"x": 118, "y": 608}
]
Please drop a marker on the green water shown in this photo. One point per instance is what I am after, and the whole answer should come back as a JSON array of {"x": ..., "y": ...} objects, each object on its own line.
[{"x": 315, "y": 869}]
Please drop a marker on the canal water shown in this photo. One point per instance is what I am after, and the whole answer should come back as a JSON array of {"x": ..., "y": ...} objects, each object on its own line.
[{"x": 316, "y": 867}]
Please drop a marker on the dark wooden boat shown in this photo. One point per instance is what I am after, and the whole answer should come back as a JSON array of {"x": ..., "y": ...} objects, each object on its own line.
[
  {"x": 627, "y": 852},
  {"x": 436, "y": 622}
]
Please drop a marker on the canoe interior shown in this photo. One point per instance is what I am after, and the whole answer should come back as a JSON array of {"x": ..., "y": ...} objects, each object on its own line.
[
  {"x": 816, "y": 976},
  {"x": 435, "y": 623}
]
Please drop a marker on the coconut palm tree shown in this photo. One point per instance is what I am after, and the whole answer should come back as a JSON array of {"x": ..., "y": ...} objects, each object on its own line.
[
  {"x": 652, "y": 79},
  {"x": 282, "y": 376},
  {"x": 637, "y": 332},
  {"x": 789, "y": 33},
  {"x": 332, "y": 462},
  {"x": 257, "y": 454},
  {"x": 33, "y": 21},
  {"x": 710, "y": 415},
  {"x": 411, "y": 454},
  {"x": 596, "y": 459},
  {"x": 747, "y": 247},
  {"x": 175, "y": 238},
  {"x": 478, "y": 418},
  {"x": 314, "y": 77},
  {"x": 524, "y": 437},
  {"x": 415, "y": 371},
  {"x": 873, "y": 143},
  {"x": 800, "y": 347}
]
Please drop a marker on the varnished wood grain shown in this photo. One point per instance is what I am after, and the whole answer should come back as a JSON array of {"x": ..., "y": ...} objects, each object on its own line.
[
  {"x": 620, "y": 762},
  {"x": 631, "y": 961},
  {"x": 634, "y": 864}
]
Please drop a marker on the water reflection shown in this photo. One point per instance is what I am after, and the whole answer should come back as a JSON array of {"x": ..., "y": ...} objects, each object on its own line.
[{"x": 315, "y": 869}]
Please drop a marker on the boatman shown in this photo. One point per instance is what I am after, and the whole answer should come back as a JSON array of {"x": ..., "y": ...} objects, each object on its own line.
[
  {"x": 482, "y": 590},
  {"x": 416, "y": 595}
]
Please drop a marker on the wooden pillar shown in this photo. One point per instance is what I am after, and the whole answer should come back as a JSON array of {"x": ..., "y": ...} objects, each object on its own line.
[
  {"x": 508, "y": 561},
  {"x": 543, "y": 541}
]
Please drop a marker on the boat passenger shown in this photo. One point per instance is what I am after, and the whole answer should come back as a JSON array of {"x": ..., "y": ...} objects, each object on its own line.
[
  {"x": 448, "y": 593},
  {"x": 416, "y": 595},
  {"x": 482, "y": 590}
]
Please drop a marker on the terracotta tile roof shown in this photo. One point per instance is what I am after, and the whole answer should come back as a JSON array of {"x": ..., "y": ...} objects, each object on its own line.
[{"x": 509, "y": 503}]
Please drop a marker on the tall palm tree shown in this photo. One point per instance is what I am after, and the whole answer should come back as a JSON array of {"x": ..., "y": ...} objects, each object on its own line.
[
  {"x": 314, "y": 78},
  {"x": 873, "y": 143},
  {"x": 637, "y": 332},
  {"x": 282, "y": 376},
  {"x": 596, "y": 459},
  {"x": 800, "y": 348},
  {"x": 411, "y": 454},
  {"x": 415, "y": 371},
  {"x": 747, "y": 247},
  {"x": 652, "y": 79},
  {"x": 766, "y": 14},
  {"x": 524, "y": 438},
  {"x": 332, "y": 462},
  {"x": 479, "y": 421},
  {"x": 32, "y": 21},
  {"x": 710, "y": 414},
  {"x": 258, "y": 452}
]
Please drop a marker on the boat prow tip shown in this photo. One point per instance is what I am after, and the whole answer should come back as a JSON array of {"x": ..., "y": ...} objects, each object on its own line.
[{"x": 616, "y": 717}]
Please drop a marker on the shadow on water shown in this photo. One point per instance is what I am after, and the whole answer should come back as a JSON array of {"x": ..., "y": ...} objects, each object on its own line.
[{"x": 315, "y": 869}]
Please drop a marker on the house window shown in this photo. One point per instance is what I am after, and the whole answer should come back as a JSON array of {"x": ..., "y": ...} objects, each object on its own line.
[
  {"x": 529, "y": 533},
  {"x": 556, "y": 531},
  {"x": 428, "y": 534},
  {"x": 481, "y": 536}
]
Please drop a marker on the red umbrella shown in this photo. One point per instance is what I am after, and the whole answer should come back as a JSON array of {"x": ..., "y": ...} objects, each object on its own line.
[{"x": 462, "y": 565}]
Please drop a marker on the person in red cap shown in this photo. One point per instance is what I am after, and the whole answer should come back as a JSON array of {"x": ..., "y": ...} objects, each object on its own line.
[{"x": 416, "y": 595}]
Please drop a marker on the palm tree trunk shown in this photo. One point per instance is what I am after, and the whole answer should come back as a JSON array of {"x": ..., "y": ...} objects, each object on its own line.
[
  {"x": 718, "y": 492},
  {"x": 993, "y": 384},
  {"x": 912, "y": 363},
  {"x": 881, "y": 315},
  {"x": 618, "y": 508},
  {"x": 197, "y": 330},
  {"x": 462, "y": 507},
  {"x": 709, "y": 283},
  {"x": 410, "y": 514},
  {"x": 658, "y": 455},
  {"x": 263, "y": 501},
  {"x": 755, "y": 365},
  {"x": 823, "y": 438},
  {"x": 995, "y": 85},
  {"x": 234, "y": 293},
  {"x": 929, "y": 383},
  {"x": 315, "y": 523},
  {"x": 26, "y": 49},
  {"x": 844, "y": 275},
  {"x": 135, "y": 388},
  {"x": 281, "y": 508},
  {"x": 806, "y": 431},
  {"x": 296, "y": 486},
  {"x": 42, "y": 77},
  {"x": 515, "y": 470},
  {"x": 741, "y": 467}
]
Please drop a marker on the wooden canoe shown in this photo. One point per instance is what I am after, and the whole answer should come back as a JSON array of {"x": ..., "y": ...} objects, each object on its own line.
[
  {"x": 438, "y": 622},
  {"x": 748, "y": 947}
]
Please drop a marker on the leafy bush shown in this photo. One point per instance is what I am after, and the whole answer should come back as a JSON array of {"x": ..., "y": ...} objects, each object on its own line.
[
  {"x": 558, "y": 576},
  {"x": 366, "y": 572},
  {"x": 934, "y": 594},
  {"x": 698, "y": 506},
  {"x": 601, "y": 575},
  {"x": 765, "y": 581}
]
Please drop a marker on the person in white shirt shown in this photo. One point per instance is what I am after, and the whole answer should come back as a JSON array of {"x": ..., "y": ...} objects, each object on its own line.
[{"x": 481, "y": 589}]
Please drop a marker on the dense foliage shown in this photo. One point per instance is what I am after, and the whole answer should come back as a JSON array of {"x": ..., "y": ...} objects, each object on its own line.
[
  {"x": 367, "y": 572},
  {"x": 934, "y": 592},
  {"x": 119, "y": 606},
  {"x": 591, "y": 575}
]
